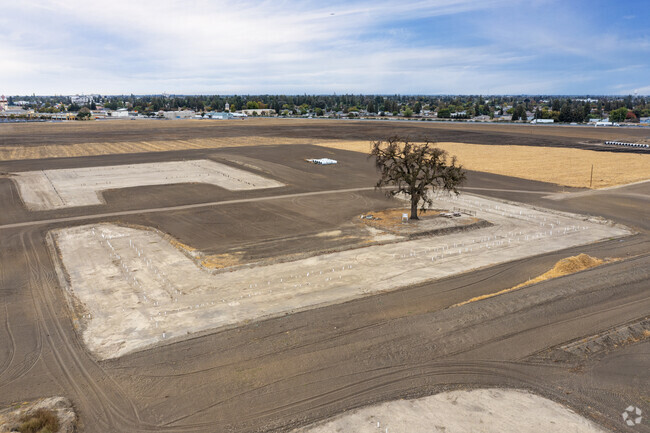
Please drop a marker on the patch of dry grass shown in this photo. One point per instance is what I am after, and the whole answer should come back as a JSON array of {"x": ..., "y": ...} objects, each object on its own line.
[
  {"x": 40, "y": 421},
  {"x": 181, "y": 245},
  {"x": 9, "y": 153},
  {"x": 210, "y": 261},
  {"x": 568, "y": 167},
  {"x": 566, "y": 266},
  {"x": 220, "y": 261},
  {"x": 390, "y": 219}
]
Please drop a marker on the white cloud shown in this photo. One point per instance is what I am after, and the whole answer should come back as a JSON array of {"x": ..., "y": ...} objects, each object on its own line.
[{"x": 200, "y": 46}]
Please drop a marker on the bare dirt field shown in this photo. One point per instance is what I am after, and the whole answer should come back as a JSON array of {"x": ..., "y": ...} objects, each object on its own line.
[
  {"x": 291, "y": 370},
  {"x": 254, "y": 131}
]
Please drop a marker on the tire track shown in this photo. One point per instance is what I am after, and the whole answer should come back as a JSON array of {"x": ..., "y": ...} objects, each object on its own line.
[
  {"x": 12, "y": 344},
  {"x": 105, "y": 405},
  {"x": 24, "y": 366}
]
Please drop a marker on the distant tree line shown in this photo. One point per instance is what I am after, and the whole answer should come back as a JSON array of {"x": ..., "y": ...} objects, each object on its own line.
[{"x": 559, "y": 108}]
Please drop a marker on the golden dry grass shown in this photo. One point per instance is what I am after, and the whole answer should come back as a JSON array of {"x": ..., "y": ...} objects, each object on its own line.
[
  {"x": 211, "y": 261},
  {"x": 390, "y": 219},
  {"x": 220, "y": 261},
  {"x": 566, "y": 266},
  {"x": 9, "y": 153},
  {"x": 568, "y": 167},
  {"x": 181, "y": 245}
]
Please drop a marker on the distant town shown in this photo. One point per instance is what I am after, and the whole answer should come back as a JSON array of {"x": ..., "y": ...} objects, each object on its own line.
[{"x": 596, "y": 110}]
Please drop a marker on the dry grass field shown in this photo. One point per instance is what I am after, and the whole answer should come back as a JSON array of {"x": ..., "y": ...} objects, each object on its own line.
[
  {"x": 563, "y": 166},
  {"x": 10, "y": 153}
]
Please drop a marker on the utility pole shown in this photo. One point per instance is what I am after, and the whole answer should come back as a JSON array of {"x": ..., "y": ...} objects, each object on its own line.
[{"x": 591, "y": 179}]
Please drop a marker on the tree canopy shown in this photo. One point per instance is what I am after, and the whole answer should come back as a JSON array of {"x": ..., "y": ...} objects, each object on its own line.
[
  {"x": 618, "y": 115},
  {"x": 415, "y": 169},
  {"x": 84, "y": 113}
]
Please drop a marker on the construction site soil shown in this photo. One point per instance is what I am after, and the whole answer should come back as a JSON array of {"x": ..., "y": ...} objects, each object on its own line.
[
  {"x": 585, "y": 137},
  {"x": 285, "y": 372}
]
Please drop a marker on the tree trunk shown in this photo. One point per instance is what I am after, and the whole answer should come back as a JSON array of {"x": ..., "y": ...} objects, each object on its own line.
[{"x": 414, "y": 207}]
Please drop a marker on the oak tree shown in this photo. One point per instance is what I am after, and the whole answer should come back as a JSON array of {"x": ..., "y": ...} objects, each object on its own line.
[{"x": 415, "y": 169}]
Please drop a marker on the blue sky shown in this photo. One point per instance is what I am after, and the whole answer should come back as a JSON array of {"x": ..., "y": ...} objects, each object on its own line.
[{"x": 295, "y": 47}]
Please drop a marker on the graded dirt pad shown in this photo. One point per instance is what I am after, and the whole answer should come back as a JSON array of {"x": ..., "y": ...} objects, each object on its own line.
[
  {"x": 52, "y": 189},
  {"x": 135, "y": 289},
  {"x": 484, "y": 410}
]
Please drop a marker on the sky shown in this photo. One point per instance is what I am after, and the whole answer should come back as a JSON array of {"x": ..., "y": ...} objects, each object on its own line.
[{"x": 570, "y": 47}]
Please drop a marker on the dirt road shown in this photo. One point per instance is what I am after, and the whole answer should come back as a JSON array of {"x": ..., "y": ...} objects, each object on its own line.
[{"x": 292, "y": 370}]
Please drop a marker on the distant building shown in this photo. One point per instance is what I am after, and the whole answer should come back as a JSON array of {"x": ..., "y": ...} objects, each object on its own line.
[
  {"x": 542, "y": 121},
  {"x": 99, "y": 114},
  {"x": 222, "y": 115},
  {"x": 185, "y": 114},
  {"x": 120, "y": 112},
  {"x": 83, "y": 99},
  {"x": 63, "y": 116},
  {"x": 259, "y": 112},
  {"x": 3, "y": 103}
]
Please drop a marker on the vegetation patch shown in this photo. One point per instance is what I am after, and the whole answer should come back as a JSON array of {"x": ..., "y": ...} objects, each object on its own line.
[
  {"x": 39, "y": 421},
  {"x": 46, "y": 415},
  {"x": 220, "y": 261}
]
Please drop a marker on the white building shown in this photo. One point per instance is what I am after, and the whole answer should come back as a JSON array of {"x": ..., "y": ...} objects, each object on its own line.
[
  {"x": 83, "y": 99},
  {"x": 259, "y": 112},
  {"x": 120, "y": 112},
  {"x": 219, "y": 115},
  {"x": 186, "y": 114}
]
